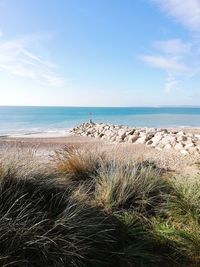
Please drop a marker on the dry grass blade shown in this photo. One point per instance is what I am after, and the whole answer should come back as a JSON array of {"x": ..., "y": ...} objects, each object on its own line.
[{"x": 76, "y": 164}]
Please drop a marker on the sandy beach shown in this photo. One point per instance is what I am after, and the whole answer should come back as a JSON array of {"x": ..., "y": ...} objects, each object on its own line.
[{"x": 167, "y": 159}]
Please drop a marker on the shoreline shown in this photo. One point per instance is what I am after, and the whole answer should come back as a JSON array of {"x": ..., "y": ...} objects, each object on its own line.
[
  {"x": 37, "y": 134},
  {"x": 67, "y": 132}
]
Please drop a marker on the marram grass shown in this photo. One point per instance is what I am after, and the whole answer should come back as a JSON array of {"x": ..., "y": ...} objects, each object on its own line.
[
  {"x": 41, "y": 225},
  {"x": 85, "y": 209}
]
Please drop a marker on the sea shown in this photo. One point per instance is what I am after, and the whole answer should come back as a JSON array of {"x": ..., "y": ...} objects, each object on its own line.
[{"x": 29, "y": 120}]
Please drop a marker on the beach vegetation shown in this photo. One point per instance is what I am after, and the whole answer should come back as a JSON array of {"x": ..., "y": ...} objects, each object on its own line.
[{"x": 81, "y": 208}]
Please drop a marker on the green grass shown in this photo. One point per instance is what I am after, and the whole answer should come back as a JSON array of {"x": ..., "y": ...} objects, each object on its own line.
[
  {"x": 130, "y": 187},
  {"x": 85, "y": 209},
  {"x": 42, "y": 225}
]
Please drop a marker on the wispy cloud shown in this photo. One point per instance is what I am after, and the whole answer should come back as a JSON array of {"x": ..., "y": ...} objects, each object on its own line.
[
  {"x": 171, "y": 84},
  {"x": 175, "y": 58},
  {"x": 16, "y": 58},
  {"x": 163, "y": 62},
  {"x": 1, "y": 33},
  {"x": 186, "y": 12},
  {"x": 173, "y": 47}
]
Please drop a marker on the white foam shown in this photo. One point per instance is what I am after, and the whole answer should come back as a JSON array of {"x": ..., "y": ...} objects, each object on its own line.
[{"x": 40, "y": 134}]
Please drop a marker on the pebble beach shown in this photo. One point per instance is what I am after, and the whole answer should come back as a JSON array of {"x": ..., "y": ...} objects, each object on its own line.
[{"x": 176, "y": 150}]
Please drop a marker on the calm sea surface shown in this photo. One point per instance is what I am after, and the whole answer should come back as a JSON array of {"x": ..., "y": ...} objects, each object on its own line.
[{"x": 26, "y": 120}]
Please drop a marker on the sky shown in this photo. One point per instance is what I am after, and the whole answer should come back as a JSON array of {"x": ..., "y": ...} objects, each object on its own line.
[{"x": 100, "y": 52}]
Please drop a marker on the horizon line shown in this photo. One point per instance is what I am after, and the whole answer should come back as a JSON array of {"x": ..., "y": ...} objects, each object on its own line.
[{"x": 74, "y": 106}]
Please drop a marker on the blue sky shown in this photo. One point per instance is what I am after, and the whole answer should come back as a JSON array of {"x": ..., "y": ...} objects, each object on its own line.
[{"x": 100, "y": 52}]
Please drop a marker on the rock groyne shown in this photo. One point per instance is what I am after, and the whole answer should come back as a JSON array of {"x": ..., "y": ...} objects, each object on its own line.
[{"x": 158, "y": 138}]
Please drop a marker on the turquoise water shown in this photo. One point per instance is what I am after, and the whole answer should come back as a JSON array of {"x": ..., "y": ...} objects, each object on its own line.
[{"x": 24, "y": 120}]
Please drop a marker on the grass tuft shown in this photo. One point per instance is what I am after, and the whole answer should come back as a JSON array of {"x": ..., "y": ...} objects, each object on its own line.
[
  {"x": 42, "y": 225},
  {"x": 131, "y": 186},
  {"x": 86, "y": 209},
  {"x": 76, "y": 164}
]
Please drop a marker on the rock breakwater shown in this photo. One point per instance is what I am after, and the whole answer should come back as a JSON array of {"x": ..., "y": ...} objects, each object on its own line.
[{"x": 158, "y": 138}]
